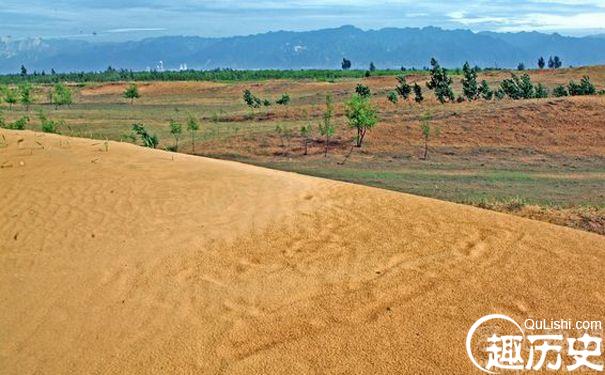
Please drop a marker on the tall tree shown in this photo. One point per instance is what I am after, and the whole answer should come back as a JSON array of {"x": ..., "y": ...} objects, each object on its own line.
[
  {"x": 372, "y": 67},
  {"x": 346, "y": 64},
  {"x": 541, "y": 62},
  {"x": 23, "y": 71}
]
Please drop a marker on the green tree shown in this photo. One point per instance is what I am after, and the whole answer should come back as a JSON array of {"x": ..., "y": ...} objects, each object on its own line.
[
  {"x": 192, "y": 127},
  {"x": 427, "y": 132},
  {"x": 363, "y": 91},
  {"x": 176, "y": 130},
  {"x": 541, "y": 62},
  {"x": 392, "y": 97},
  {"x": 25, "y": 95},
  {"x": 418, "y": 93},
  {"x": 10, "y": 97},
  {"x": 61, "y": 95},
  {"x": 403, "y": 88},
  {"x": 440, "y": 83},
  {"x": 362, "y": 116},
  {"x": 132, "y": 93},
  {"x": 326, "y": 127},
  {"x": 469, "y": 83}
]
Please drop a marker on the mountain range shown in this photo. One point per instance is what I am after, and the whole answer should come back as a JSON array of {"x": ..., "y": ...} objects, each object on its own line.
[{"x": 320, "y": 49}]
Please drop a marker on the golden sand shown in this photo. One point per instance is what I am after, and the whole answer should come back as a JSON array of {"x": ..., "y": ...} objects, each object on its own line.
[{"x": 120, "y": 259}]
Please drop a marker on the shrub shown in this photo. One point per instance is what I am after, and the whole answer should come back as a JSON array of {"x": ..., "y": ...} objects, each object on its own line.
[
  {"x": 485, "y": 91},
  {"x": 18, "y": 124},
  {"x": 48, "y": 125},
  {"x": 132, "y": 93},
  {"x": 541, "y": 91},
  {"x": 560, "y": 91},
  {"x": 584, "y": 88},
  {"x": 284, "y": 100},
  {"x": 392, "y": 97}
]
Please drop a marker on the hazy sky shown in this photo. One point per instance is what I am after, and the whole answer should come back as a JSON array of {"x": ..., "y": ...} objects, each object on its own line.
[{"x": 135, "y": 19}]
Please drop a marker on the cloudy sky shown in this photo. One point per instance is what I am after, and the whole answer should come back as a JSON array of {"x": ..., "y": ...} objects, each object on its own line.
[{"x": 135, "y": 19}]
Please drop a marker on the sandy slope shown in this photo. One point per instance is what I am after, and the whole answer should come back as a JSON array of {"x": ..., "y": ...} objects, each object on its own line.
[{"x": 140, "y": 261}]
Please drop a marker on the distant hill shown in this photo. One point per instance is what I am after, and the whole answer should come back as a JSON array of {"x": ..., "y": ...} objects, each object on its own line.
[{"x": 387, "y": 48}]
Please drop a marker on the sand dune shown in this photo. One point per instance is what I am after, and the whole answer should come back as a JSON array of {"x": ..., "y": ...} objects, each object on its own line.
[{"x": 115, "y": 258}]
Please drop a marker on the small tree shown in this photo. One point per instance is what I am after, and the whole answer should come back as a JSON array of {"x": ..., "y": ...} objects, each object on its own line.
[
  {"x": 427, "y": 132},
  {"x": 326, "y": 128},
  {"x": 25, "y": 95},
  {"x": 132, "y": 92},
  {"x": 362, "y": 116},
  {"x": 485, "y": 91},
  {"x": 61, "y": 95},
  {"x": 363, "y": 91},
  {"x": 306, "y": 132},
  {"x": 541, "y": 62},
  {"x": 192, "y": 127},
  {"x": 346, "y": 64},
  {"x": 149, "y": 140},
  {"x": 176, "y": 130},
  {"x": 469, "y": 83},
  {"x": 10, "y": 97},
  {"x": 284, "y": 100},
  {"x": 392, "y": 97},
  {"x": 440, "y": 83},
  {"x": 403, "y": 88},
  {"x": 418, "y": 93}
]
